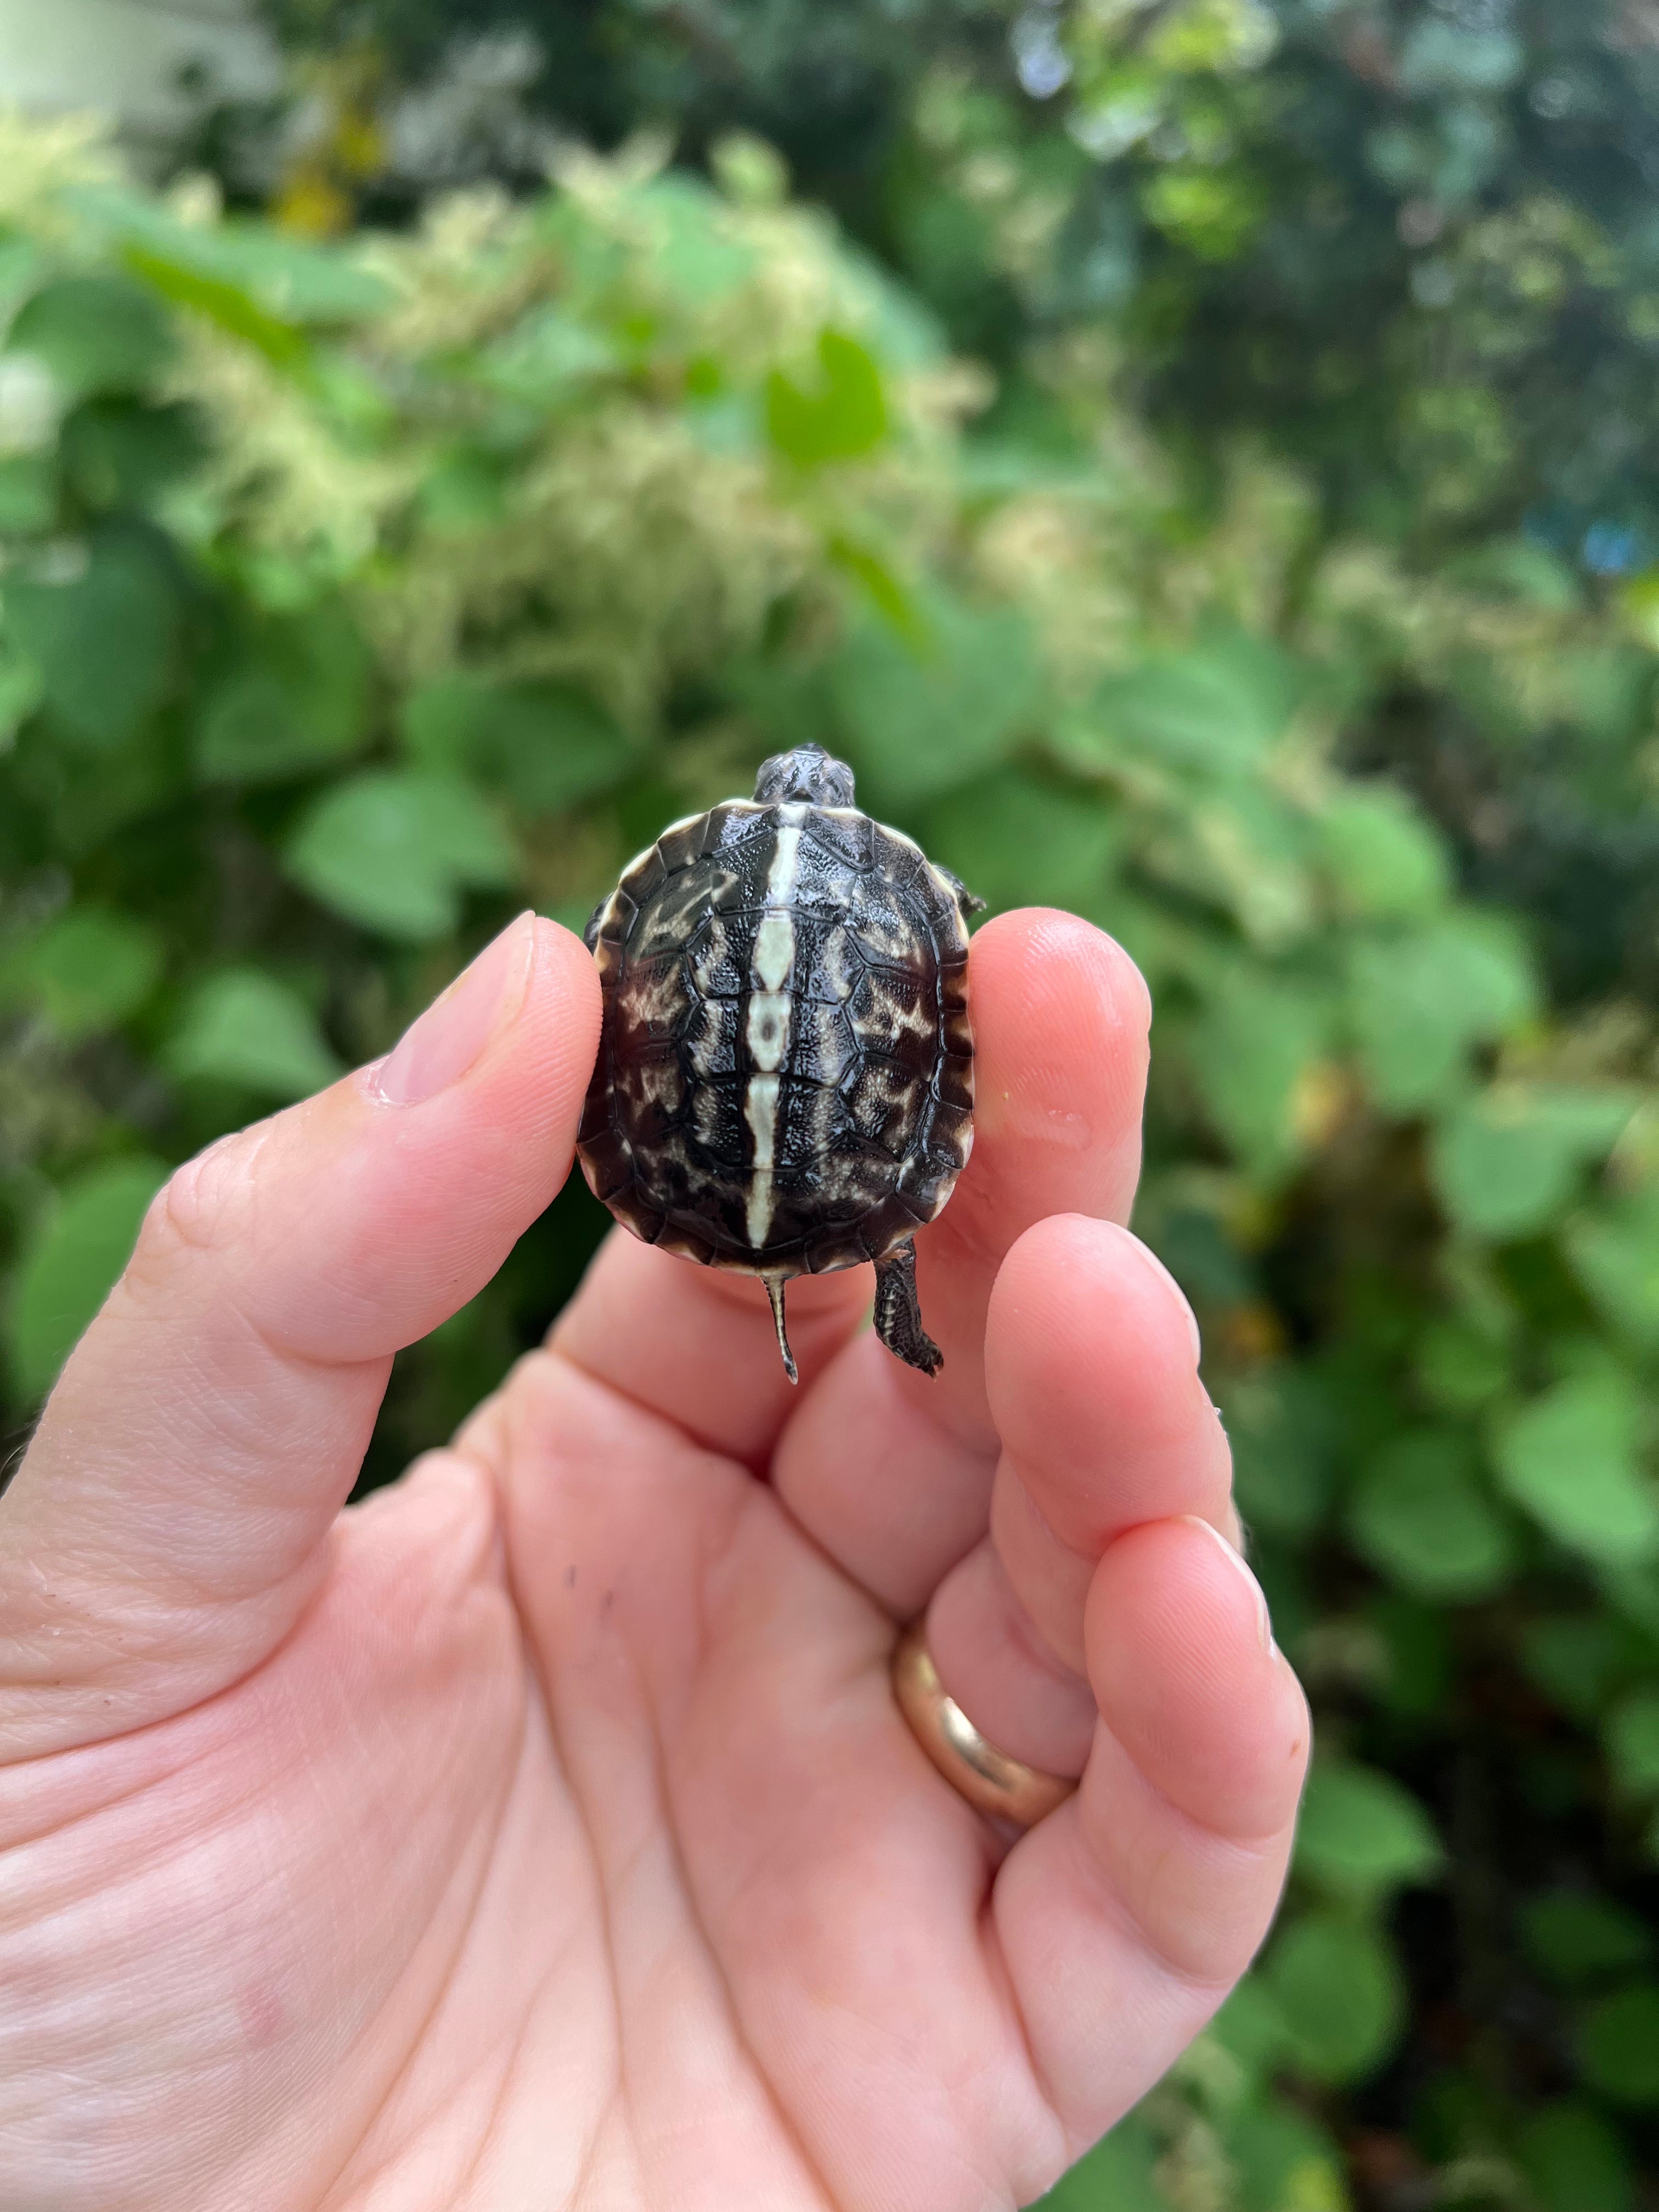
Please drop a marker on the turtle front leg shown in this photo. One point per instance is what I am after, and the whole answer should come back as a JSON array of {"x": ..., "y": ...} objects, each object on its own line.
[{"x": 898, "y": 1316}]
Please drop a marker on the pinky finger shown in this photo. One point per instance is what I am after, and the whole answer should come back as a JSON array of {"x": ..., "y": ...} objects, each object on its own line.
[{"x": 1127, "y": 1916}]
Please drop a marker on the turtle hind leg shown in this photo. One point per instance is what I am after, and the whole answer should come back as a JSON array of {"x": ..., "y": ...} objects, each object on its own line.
[
  {"x": 775, "y": 1292},
  {"x": 898, "y": 1316}
]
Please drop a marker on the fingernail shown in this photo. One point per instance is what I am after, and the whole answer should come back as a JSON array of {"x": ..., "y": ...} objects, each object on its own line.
[
  {"x": 1183, "y": 1301},
  {"x": 438, "y": 1047},
  {"x": 1264, "y": 1627}
]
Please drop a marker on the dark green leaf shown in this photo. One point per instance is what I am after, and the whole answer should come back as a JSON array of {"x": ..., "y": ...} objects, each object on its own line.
[
  {"x": 1619, "y": 2044},
  {"x": 295, "y": 702},
  {"x": 1579, "y": 1939},
  {"x": 101, "y": 631},
  {"x": 98, "y": 333},
  {"x": 1631, "y": 1736},
  {"x": 1575, "y": 2161}
]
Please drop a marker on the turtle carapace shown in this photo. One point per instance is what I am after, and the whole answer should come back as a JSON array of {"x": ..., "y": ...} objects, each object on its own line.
[{"x": 785, "y": 1082}]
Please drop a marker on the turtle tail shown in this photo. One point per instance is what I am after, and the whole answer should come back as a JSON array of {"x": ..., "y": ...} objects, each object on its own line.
[{"x": 775, "y": 1292}]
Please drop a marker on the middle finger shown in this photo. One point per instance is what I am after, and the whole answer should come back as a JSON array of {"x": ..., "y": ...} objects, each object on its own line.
[{"x": 889, "y": 1472}]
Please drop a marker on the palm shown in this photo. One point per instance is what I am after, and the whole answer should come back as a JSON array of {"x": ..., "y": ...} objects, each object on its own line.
[{"x": 567, "y": 1849}]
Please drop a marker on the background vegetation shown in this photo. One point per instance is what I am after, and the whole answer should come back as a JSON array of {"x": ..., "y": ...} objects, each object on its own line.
[{"x": 1205, "y": 474}]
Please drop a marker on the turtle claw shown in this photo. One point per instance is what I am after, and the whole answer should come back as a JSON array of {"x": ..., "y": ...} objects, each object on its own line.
[
  {"x": 775, "y": 1292},
  {"x": 898, "y": 1315}
]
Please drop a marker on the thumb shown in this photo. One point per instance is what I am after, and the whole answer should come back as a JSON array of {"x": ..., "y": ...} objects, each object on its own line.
[{"x": 168, "y": 1522}]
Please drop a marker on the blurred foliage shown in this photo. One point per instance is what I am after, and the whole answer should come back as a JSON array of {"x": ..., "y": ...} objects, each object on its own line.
[{"x": 1204, "y": 460}]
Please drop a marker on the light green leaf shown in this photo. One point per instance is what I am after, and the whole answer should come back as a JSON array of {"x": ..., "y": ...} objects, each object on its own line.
[
  {"x": 840, "y": 418},
  {"x": 71, "y": 1259},
  {"x": 1251, "y": 1048},
  {"x": 1013, "y": 838},
  {"x": 1579, "y": 1939},
  {"x": 396, "y": 851},
  {"x": 540, "y": 360},
  {"x": 87, "y": 969},
  {"x": 1419, "y": 1001},
  {"x": 1342, "y": 1995},
  {"x": 546, "y": 746},
  {"x": 1631, "y": 1737},
  {"x": 1615, "y": 1254},
  {"x": 1386, "y": 859},
  {"x": 102, "y": 637},
  {"x": 1507, "y": 1162},
  {"x": 1619, "y": 2044},
  {"x": 1418, "y": 1516},
  {"x": 917, "y": 721},
  {"x": 1575, "y": 2161},
  {"x": 100, "y": 333},
  {"x": 1569, "y": 1458},
  {"x": 1360, "y": 1835},
  {"x": 1216, "y": 707},
  {"x": 244, "y": 1027}
]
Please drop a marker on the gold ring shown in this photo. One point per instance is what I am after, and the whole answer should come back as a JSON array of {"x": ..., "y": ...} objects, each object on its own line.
[{"x": 1006, "y": 1788}]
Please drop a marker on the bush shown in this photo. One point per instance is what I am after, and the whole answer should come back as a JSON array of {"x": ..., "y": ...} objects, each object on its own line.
[{"x": 353, "y": 596}]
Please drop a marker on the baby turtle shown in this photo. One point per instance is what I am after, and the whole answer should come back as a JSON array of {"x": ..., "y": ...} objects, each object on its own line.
[{"x": 785, "y": 1082}]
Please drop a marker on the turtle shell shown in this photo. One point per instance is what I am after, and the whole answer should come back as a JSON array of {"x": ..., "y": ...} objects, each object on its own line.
[{"x": 785, "y": 1077}]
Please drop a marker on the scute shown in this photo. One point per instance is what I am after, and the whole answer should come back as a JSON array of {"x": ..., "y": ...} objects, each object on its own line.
[{"x": 784, "y": 1083}]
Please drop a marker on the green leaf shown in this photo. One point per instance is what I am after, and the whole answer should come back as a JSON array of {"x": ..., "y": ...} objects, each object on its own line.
[
  {"x": 1284, "y": 2162},
  {"x": 1342, "y": 1997},
  {"x": 295, "y": 702},
  {"x": 1579, "y": 1939},
  {"x": 71, "y": 1260},
  {"x": 1631, "y": 1737},
  {"x": 1013, "y": 839},
  {"x": 1575, "y": 2161},
  {"x": 1217, "y": 708},
  {"x": 1251, "y": 1048},
  {"x": 102, "y": 637},
  {"x": 1418, "y": 1002},
  {"x": 1387, "y": 860},
  {"x": 20, "y": 688},
  {"x": 1615, "y": 1254},
  {"x": 1279, "y": 1425},
  {"x": 544, "y": 357},
  {"x": 1569, "y": 1458},
  {"x": 918, "y": 721},
  {"x": 1619, "y": 2044},
  {"x": 396, "y": 851},
  {"x": 840, "y": 418},
  {"x": 1120, "y": 2173},
  {"x": 28, "y": 494},
  {"x": 1507, "y": 1162},
  {"x": 87, "y": 969},
  {"x": 546, "y": 746},
  {"x": 1574, "y": 1659},
  {"x": 1418, "y": 1516},
  {"x": 101, "y": 333},
  {"x": 1360, "y": 1835},
  {"x": 245, "y": 1027},
  {"x": 119, "y": 453}
]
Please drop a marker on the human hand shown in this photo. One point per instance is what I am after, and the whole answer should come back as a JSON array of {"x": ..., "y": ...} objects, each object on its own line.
[{"x": 541, "y": 1831}]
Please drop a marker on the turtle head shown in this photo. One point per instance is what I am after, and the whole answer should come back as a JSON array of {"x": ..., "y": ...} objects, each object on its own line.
[{"x": 805, "y": 772}]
